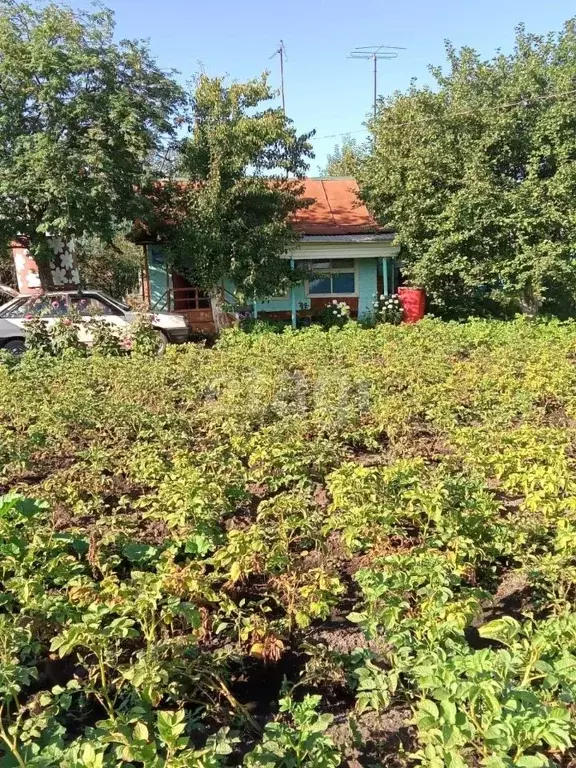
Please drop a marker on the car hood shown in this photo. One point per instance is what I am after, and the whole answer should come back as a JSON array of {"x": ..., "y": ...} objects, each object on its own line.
[{"x": 162, "y": 320}]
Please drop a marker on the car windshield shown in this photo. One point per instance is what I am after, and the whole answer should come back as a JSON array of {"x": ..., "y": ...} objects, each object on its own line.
[{"x": 121, "y": 304}]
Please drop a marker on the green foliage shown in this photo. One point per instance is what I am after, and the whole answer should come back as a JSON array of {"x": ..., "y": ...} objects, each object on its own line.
[
  {"x": 110, "y": 267},
  {"x": 476, "y": 176},
  {"x": 346, "y": 159},
  {"x": 385, "y": 309},
  {"x": 241, "y": 163},
  {"x": 335, "y": 314},
  {"x": 72, "y": 335},
  {"x": 79, "y": 116},
  {"x": 232, "y": 545},
  {"x": 300, "y": 743}
]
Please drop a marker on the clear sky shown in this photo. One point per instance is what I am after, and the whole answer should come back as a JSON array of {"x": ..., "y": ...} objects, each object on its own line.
[{"x": 324, "y": 89}]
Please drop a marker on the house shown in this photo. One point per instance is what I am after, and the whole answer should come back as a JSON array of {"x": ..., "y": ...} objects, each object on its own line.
[{"x": 350, "y": 258}]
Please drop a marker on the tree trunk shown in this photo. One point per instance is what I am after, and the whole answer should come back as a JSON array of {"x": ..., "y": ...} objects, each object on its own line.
[
  {"x": 222, "y": 319},
  {"x": 530, "y": 303}
]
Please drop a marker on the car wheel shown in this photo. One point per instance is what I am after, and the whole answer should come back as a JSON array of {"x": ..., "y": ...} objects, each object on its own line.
[
  {"x": 16, "y": 347},
  {"x": 162, "y": 343}
]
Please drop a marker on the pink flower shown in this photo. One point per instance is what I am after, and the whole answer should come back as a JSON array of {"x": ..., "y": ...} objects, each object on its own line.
[
  {"x": 28, "y": 316},
  {"x": 66, "y": 321},
  {"x": 55, "y": 304},
  {"x": 126, "y": 343}
]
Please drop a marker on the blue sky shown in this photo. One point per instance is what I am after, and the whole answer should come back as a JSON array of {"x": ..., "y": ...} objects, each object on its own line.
[{"x": 324, "y": 89}]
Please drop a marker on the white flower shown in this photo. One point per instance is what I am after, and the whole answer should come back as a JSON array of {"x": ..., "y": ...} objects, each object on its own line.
[
  {"x": 59, "y": 276},
  {"x": 57, "y": 244},
  {"x": 335, "y": 312},
  {"x": 334, "y": 301},
  {"x": 375, "y": 304},
  {"x": 67, "y": 259},
  {"x": 382, "y": 297}
]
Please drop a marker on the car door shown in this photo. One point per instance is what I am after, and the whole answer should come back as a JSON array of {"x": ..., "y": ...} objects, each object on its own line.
[{"x": 93, "y": 307}]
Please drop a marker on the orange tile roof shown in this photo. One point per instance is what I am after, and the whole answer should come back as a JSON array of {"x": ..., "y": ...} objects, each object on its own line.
[{"x": 336, "y": 209}]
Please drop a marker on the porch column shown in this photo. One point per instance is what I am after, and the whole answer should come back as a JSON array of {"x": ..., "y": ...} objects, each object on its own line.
[
  {"x": 385, "y": 276},
  {"x": 255, "y": 306},
  {"x": 293, "y": 300}
]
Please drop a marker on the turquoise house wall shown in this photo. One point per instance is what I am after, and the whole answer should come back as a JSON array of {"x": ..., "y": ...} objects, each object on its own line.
[
  {"x": 368, "y": 271},
  {"x": 391, "y": 271},
  {"x": 229, "y": 289},
  {"x": 157, "y": 276},
  {"x": 284, "y": 303},
  {"x": 367, "y": 284}
]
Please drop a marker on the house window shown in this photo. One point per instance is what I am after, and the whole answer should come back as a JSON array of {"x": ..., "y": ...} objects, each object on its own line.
[{"x": 333, "y": 277}]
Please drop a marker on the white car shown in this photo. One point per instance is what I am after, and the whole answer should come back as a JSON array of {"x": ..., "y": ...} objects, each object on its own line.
[
  {"x": 7, "y": 294},
  {"x": 89, "y": 304}
]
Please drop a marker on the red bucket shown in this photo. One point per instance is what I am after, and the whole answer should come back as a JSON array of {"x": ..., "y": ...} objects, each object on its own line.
[{"x": 413, "y": 302}]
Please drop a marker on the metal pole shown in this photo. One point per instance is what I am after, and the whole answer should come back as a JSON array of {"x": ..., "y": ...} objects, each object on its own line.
[
  {"x": 385, "y": 285},
  {"x": 375, "y": 52},
  {"x": 281, "y": 51},
  {"x": 375, "y": 83},
  {"x": 293, "y": 300},
  {"x": 282, "y": 74}
]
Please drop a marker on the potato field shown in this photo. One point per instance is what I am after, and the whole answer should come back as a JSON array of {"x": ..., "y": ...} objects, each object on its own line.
[{"x": 316, "y": 548}]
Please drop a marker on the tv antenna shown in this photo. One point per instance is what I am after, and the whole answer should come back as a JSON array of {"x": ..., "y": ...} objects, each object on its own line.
[
  {"x": 281, "y": 52},
  {"x": 375, "y": 52}
]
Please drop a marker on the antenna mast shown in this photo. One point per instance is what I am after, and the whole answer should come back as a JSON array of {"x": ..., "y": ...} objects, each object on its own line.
[
  {"x": 281, "y": 52},
  {"x": 375, "y": 52}
]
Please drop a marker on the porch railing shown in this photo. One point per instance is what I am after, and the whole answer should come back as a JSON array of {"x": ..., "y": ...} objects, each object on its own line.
[
  {"x": 189, "y": 298},
  {"x": 185, "y": 299}
]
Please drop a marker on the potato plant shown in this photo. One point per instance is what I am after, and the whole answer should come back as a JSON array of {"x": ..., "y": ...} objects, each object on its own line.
[{"x": 297, "y": 549}]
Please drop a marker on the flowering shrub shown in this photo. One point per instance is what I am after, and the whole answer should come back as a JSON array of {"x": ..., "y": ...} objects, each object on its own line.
[
  {"x": 387, "y": 309},
  {"x": 69, "y": 334},
  {"x": 142, "y": 338},
  {"x": 64, "y": 335},
  {"x": 105, "y": 338},
  {"x": 336, "y": 313},
  {"x": 38, "y": 338}
]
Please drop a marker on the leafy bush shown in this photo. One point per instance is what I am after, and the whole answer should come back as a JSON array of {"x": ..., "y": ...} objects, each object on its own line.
[{"x": 68, "y": 335}]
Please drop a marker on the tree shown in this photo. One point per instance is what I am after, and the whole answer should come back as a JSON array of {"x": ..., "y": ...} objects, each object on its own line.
[
  {"x": 478, "y": 176},
  {"x": 79, "y": 116},
  {"x": 112, "y": 267},
  {"x": 242, "y": 164},
  {"x": 346, "y": 159}
]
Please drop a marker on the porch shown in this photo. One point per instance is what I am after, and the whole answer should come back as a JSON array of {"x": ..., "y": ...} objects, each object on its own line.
[{"x": 353, "y": 271}]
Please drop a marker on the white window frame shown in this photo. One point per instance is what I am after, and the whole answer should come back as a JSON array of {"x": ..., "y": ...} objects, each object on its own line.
[{"x": 334, "y": 269}]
